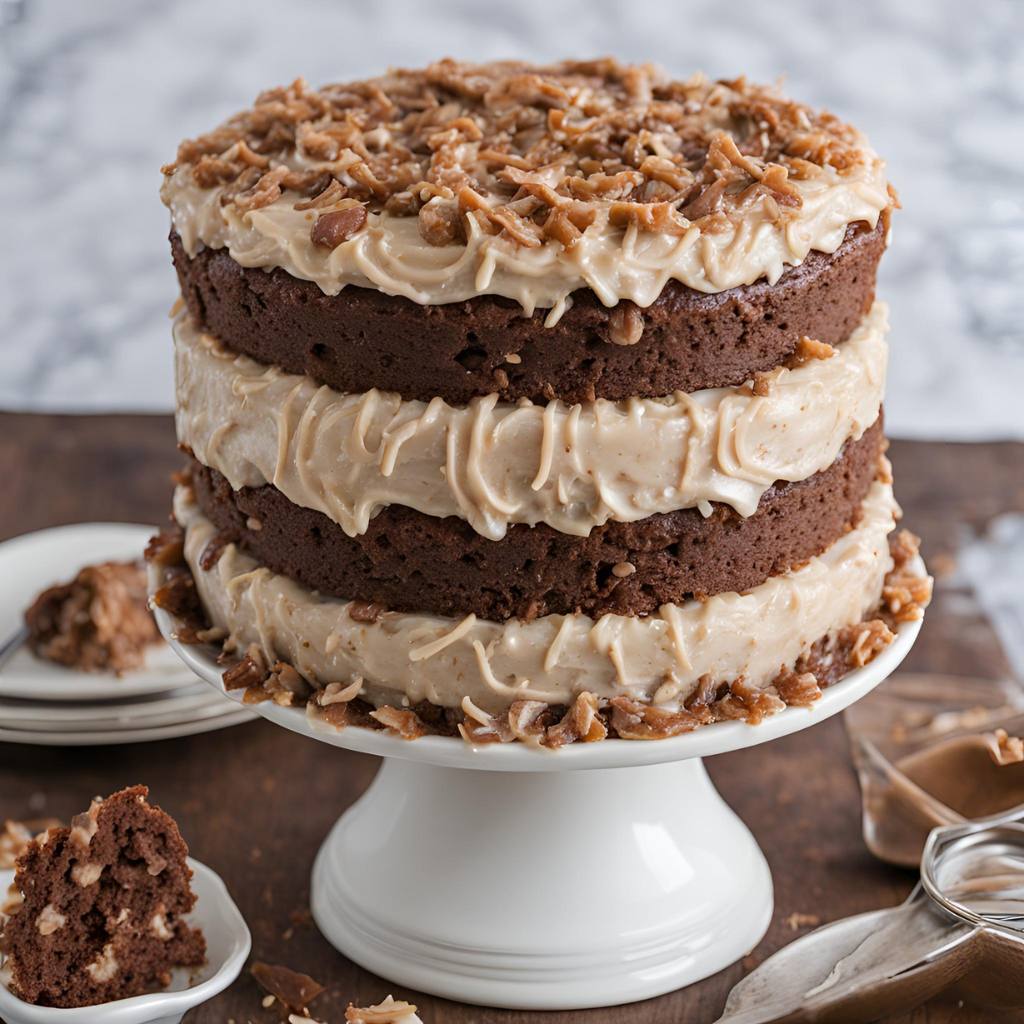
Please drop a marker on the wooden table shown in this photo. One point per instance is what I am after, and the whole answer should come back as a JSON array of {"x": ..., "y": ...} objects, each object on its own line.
[{"x": 255, "y": 801}]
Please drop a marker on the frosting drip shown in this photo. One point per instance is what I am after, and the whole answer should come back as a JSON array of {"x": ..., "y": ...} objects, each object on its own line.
[
  {"x": 407, "y": 658},
  {"x": 526, "y": 181},
  {"x": 494, "y": 463},
  {"x": 617, "y": 263}
]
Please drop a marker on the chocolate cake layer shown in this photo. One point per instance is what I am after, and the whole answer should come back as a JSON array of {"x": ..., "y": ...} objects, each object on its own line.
[
  {"x": 362, "y": 339},
  {"x": 411, "y": 562}
]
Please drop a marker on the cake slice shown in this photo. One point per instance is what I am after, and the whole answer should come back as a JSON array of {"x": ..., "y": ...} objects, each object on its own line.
[
  {"x": 98, "y": 622},
  {"x": 101, "y": 907}
]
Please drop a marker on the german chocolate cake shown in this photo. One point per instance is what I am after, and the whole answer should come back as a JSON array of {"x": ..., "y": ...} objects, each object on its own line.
[{"x": 536, "y": 403}]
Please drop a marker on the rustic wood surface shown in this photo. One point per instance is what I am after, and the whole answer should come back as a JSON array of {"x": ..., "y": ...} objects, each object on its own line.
[{"x": 254, "y": 802}]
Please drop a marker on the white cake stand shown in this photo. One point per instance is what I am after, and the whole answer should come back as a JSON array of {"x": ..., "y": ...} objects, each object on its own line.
[{"x": 502, "y": 875}]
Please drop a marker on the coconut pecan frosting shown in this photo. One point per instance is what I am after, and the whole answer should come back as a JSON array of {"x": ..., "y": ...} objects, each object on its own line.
[{"x": 532, "y": 154}]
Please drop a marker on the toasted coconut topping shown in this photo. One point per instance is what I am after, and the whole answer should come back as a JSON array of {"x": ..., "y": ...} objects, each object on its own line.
[
  {"x": 906, "y": 593},
  {"x": 390, "y": 1011},
  {"x": 538, "y": 156},
  {"x": 591, "y": 719},
  {"x": 532, "y": 152}
]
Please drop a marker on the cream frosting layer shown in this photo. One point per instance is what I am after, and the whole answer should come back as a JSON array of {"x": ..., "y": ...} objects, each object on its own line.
[
  {"x": 616, "y": 263},
  {"x": 494, "y": 463},
  {"x": 404, "y": 658}
]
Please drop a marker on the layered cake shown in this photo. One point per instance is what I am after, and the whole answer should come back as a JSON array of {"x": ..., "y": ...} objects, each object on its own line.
[
  {"x": 537, "y": 403},
  {"x": 97, "y": 909}
]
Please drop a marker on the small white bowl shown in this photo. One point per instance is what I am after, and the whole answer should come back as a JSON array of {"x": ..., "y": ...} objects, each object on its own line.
[{"x": 227, "y": 946}]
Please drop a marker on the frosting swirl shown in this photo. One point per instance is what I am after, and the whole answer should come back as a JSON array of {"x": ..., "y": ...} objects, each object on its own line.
[{"x": 495, "y": 463}]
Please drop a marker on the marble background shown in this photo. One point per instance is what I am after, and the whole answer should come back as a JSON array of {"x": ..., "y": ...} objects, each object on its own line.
[{"x": 95, "y": 95}]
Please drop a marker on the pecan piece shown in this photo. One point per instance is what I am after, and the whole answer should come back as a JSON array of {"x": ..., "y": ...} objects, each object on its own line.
[
  {"x": 748, "y": 702},
  {"x": 331, "y": 229},
  {"x": 178, "y": 597},
  {"x": 625, "y": 324},
  {"x": 807, "y": 350},
  {"x": 334, "y": 192},
  {"x": 441, "y": 223},
  {"x": 250, "y": 671},
  {"x": 366, "y": 611},
  {"x": 868, "y": 639},
  {"x": 285, "y": 686},
  {"x": 341, "y": 714},
  {"x": 703, "y": 201},
  {"x": 528, "y": 720}
]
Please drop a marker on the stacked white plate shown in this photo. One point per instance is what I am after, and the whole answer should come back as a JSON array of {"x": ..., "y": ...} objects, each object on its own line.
[{"x": 45, "y": 703}]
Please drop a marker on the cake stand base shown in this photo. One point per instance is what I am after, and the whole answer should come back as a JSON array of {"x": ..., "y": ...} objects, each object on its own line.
[
  {"x": 597, "y": 874},
  {"x": 542, "y": 890}
]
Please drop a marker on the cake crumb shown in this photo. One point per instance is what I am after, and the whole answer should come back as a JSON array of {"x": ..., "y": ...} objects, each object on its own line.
[
  {"x": 293, "y": 990},
  {"x": 365, "y": 611},
  {"x": 807, "y": 350},
  {"x": 796, "y": 921}
]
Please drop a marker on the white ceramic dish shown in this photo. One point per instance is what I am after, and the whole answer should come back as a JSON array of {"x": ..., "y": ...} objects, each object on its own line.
[
  {"x": 27, "y": 677},
  {"x": 59, "y": 715},
  {"x": 113, "y": 737},
  {"x": 34, "y": 561},
  {"x": 227, "y": 941},
  {"x": 533, "y": 885},
  {"x": 198, "y": 713}
]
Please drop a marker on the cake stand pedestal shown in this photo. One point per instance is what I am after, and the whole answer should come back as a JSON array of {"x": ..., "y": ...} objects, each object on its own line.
[
  {"x": 522, "y": 889},
  {"x": 593, "y": 875}
]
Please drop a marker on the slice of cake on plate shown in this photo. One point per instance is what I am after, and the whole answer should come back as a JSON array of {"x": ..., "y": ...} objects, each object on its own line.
[
  {"x": 96, "y": 912},
  {"x": 97, "y": 622}
]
